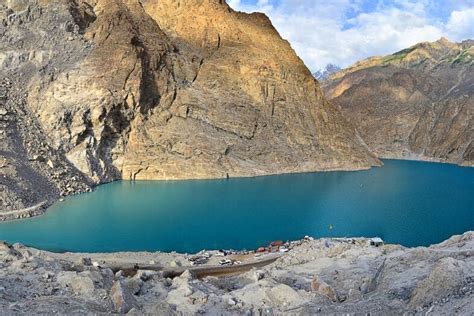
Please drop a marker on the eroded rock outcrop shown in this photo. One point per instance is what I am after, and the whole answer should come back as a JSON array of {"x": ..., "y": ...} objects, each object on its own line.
[
  {"x": 32, "y": 172},
  {"x": 416, "y": 103},
  {"x": 131, "y": 89}
]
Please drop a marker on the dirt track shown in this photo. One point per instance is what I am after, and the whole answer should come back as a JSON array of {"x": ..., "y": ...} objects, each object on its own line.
[{"x": 199, "y": 271}]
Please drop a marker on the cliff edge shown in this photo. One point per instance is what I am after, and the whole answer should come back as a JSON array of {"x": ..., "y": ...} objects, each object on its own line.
[
  {"x": 417, "y": 103},
  {"x": 129, "y": 89}
]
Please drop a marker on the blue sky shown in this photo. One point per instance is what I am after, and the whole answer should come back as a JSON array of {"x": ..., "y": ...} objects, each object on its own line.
[{"x": 344, "y": 31}]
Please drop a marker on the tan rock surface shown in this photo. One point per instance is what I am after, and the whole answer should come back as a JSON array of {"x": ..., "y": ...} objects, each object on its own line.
[
  {"x": 321, "y": 287},
  {"x": 131, "y": 89},
  {"x": 32, "y": 173},
  {"x": 416, "y": 104}
]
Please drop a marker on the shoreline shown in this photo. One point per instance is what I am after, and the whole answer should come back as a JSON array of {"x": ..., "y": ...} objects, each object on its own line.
[
  {"x": 41, "y": 208},
  {"x": 328, "y": 276},
  {"x": 27, "y": 212},
  {"x": 288, "y": 245},
  {"x": 426, "y": 159}
]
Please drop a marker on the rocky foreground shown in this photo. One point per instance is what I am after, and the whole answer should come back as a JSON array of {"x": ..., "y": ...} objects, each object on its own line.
[{"x": 315, "y": 276}]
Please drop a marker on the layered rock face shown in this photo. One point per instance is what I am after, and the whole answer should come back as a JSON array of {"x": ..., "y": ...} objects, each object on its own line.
[
  {"x": 32, "y": 172},
  {"x": 160, "y": 90},
  {"x": 417, "y": 103}
]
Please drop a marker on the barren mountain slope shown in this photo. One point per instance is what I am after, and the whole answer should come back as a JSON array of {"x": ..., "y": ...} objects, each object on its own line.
[
  {"x": 245, "y": 104},
  {"x": 32, "y": 172},
  {"x": 156, "y": 90},
  {"x": 417, "y": 103}
]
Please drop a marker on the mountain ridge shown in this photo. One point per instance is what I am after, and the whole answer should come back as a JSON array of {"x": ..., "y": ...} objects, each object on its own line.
[
  {"x": 416, "y": 103},
  {"x": 399, "y": 57},
  {"x": 129, "y": 89}
]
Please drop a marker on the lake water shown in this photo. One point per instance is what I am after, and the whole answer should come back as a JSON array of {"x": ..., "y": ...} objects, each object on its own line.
[{"x": 406, "y": 202}]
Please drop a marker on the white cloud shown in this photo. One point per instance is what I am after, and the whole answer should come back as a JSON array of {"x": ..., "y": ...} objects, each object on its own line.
[
  {"x": 340, "y": 32},
  {"x": 461, "y": 23},
  {"x": 234, "y": 4}
]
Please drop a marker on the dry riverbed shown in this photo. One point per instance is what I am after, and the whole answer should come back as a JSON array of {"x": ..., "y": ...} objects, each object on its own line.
[{"x": 314, "y": 276}]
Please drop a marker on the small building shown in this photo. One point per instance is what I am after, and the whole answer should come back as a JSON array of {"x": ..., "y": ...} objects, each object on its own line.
[
  {"x": 277, "y": 243},
  {"x": 376, "y": 241}
]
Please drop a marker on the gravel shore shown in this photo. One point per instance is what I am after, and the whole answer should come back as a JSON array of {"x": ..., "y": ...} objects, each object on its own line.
[{"x": 314, "y": 276}]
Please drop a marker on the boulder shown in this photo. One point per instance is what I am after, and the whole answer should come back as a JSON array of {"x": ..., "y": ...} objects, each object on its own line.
[
  {"x": 321, "y": 287},
  {"x": 447, "y": 275},
  {"x": 94, "y": 276},
  {"x": 133, "y": 284},
  {"x": 107, "y": 277},
  {"x": 181, "y": 283},
  {"x": 183, "y": 279},
  {"x": 146, "y": 275},
  {"x": 79, "y": 284},
  {"x": 258, "y": 275},
  {"x": 122, "y": 297},
  {"x": 181, "y": 289},
  {"x": 283, "y": 295},
  {"x": 173, "y": 264},
  {"x": 86, "y": 261},
  {"x": 7, "y": 253}
]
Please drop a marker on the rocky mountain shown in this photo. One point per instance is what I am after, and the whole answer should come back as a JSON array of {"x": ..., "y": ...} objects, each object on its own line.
[
  {"x": 96, "y": 90},
  {"x": 323, "y": 74},
  {"x": 417, "y": 103}
]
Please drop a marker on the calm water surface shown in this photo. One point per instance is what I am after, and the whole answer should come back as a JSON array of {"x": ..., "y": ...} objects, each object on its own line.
[{"x": 406, "y": 202}]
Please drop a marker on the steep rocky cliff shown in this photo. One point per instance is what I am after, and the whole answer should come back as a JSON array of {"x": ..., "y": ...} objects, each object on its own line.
[
  {"x": 100, "y": 90},
  {"x": 417, "y": 103},
  {"x": 32, "y": 172}
]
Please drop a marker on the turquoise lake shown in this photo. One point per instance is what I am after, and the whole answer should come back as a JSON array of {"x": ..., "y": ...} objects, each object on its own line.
[{"x": 405, "y": 202}]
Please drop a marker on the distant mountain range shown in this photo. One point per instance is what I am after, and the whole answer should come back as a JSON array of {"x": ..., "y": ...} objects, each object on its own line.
[
  {"x": 323, "y": 74},
  {"x": 417, "y": 103}
]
